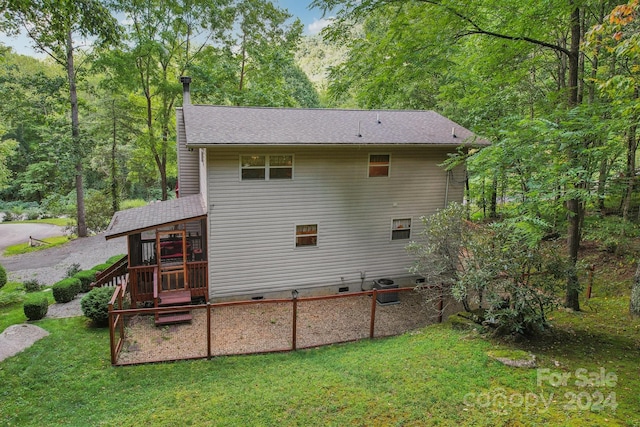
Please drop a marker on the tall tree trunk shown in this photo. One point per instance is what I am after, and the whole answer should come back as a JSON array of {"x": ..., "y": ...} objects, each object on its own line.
[
  {"x": 75, "y": 136},
  {"x": 632, "y": 147},
  {"x": 573, "y": 204},
  {"x": 115, "y": 205},
  {"x": 493, "y": 203}
]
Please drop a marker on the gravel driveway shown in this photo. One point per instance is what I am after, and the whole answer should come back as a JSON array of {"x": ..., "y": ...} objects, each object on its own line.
[{"x": 50, "y": 265}]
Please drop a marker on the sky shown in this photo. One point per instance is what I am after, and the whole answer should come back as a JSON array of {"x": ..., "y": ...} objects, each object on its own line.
[{"x": 311, "y": 19}]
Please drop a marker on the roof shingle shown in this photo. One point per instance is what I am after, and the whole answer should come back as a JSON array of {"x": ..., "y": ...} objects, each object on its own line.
[
  {"x": 155, "y": 215},
  {"x": 208, "y": 125}
]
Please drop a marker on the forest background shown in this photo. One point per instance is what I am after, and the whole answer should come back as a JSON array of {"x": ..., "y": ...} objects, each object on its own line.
[{"x": 553, "y": 85}]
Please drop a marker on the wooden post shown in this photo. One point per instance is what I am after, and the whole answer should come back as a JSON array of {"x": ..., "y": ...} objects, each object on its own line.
[
  {"x": 112, "y": 336},
  {"x": 372, "y": 324},
  {"x": 208, "y": 330},
  {"x": 294, "y": 323}
]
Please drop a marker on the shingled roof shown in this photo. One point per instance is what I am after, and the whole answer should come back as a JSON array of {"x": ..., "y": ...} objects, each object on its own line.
[
  {"x": 208, "y": 125},
  {"x": 155, "y": 215}
]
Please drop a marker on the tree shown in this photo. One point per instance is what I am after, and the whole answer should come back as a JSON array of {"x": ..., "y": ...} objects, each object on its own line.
[
  {"x": 500, "y": 268},
  {"x": 553, "y": 29},
  {"x": 52, "y": 26}
]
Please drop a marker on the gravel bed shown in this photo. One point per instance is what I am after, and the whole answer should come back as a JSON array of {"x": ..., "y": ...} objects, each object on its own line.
[{"x": 267, "y": 327}]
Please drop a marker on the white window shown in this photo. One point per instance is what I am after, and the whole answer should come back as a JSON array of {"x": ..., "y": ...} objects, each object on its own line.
[
  {"x": 266, "y": 167},
  {"x": 401, "y": 229},
  {"x": 306, "y": 235},
  {"x": 379, "y": 165}
]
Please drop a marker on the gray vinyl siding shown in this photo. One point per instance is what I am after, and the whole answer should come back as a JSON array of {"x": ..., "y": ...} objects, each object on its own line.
[
  {"x": 188, "y": 168},
  {"x": 252, "y": 223}
]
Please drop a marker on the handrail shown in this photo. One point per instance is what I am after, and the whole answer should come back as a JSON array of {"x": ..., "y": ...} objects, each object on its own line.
[{"x": 119, "y": 268}]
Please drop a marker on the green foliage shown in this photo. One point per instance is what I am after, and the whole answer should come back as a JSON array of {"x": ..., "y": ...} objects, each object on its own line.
[
  {"x": 101, "y": 267},
  {"x": 3, "y": 276},
  {"x": 86, "y": 277},
  {"x": 95, "y": 305},
  {"x": 132, "y": 203},
  {"x": 36, "y": 307},
  {"x": 32, "y": 285},
  {"x": 501, "y": 268},
  {"x": 73, "y": 269},
  {"x": 66, "y": 289},
  {"x": 115, "y": 258},
  {"x": 8, "y": 298},
  {"x": 611, "y": 233},
  {"x": 98, "y": 210}
]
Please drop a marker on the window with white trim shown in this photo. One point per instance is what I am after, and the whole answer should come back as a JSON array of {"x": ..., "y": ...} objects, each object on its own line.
[
  {"x": 266, "y": 167},
  {"x": 401, "y": 229},
  {"x": 306, "y": 235},
  {"x": 379, "y": 165}
]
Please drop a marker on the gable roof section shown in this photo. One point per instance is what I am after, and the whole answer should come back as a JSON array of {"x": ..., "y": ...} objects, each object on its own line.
[
  {"x": 155, "y": 215},
  {"x": 208, "y": 125}
]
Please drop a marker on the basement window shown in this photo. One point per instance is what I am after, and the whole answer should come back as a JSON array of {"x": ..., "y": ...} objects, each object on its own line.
[
  {"x": 379, "y": 165},
  {"x": 306, "y": 235},
  {"x": 266, "y": 167},
  {"x": 401, "y": 229}
]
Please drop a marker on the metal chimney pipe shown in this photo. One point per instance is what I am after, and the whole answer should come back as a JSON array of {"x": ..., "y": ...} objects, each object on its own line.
[{"x": 186, "y": 94}]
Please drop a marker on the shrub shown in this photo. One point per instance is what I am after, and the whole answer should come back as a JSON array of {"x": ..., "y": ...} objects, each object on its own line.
[
  {"x": 483, "y": 266},
  {"x": 36, "y": 307},
  {"x": 66, "y": 289},
  {"x": 98, "y": 210},
  {"x": 95, "y": 305},
  {"x": 100, "y": 267},
  {"x": 73, "y": 269},
  {"x": 3, "y": 276},
  {"x": 32, "y": 285},
  {"x": 114, "y": 259},
  {"x": 86, "y": 277}
]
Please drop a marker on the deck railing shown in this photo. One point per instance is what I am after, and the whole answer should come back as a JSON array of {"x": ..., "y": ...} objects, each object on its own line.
[{"x": 141, "y": 278}]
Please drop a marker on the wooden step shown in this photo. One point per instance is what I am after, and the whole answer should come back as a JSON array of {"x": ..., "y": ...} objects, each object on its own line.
[
  {"x": 174, "y": 298},
  {"x": 167, "y": 319}
]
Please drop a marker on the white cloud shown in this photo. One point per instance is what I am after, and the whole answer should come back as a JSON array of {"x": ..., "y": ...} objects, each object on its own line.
[{"x": 318, "y": 24}]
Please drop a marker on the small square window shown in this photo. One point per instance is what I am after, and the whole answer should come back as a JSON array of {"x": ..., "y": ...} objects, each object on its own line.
[
  {"x": 401, "y": 229},
  {"x": 253, "y": 167},
  {"x": 307, "y": 235},
  {"x": 379, "y": 165}
]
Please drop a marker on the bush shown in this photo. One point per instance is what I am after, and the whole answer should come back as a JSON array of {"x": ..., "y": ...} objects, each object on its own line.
[
  {"x": 66, "y": 289},
  {"x": 98, "y": 210},
  {"x": 95, "y": 305},
  {"x": 32, "y": 285},
  {"x": 36, "y": 307},
  {"x": 86, "y": 277},
  {"x": 114, "y": 259},
  {"x": 3, "y": 276},
  {"x": 100, "y": 267},
  {"x": 73, "y": 269}
]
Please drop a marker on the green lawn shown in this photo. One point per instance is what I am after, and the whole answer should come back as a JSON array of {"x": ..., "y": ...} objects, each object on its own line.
[
  {"x": 587, "y": 375},
  {"x": 436, "y": 376}
]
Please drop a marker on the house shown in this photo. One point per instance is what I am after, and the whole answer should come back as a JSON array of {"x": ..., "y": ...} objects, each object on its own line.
[{"x": 276, "y": 199}]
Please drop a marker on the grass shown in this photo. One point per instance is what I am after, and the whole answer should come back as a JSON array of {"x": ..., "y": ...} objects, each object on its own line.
[
  {"x": 23, "y": 248},
  {"x": 62, "y": 222},
  {"x": 436, "y": 376},
  {"x": 587, "y": 365}
]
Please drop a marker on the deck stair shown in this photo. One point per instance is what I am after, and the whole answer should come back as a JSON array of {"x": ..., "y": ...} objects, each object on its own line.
[{"x": 174, "y": 299}]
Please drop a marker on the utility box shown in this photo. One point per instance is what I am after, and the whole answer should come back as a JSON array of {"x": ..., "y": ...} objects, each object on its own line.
[{"x": 386, "y": 298}]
